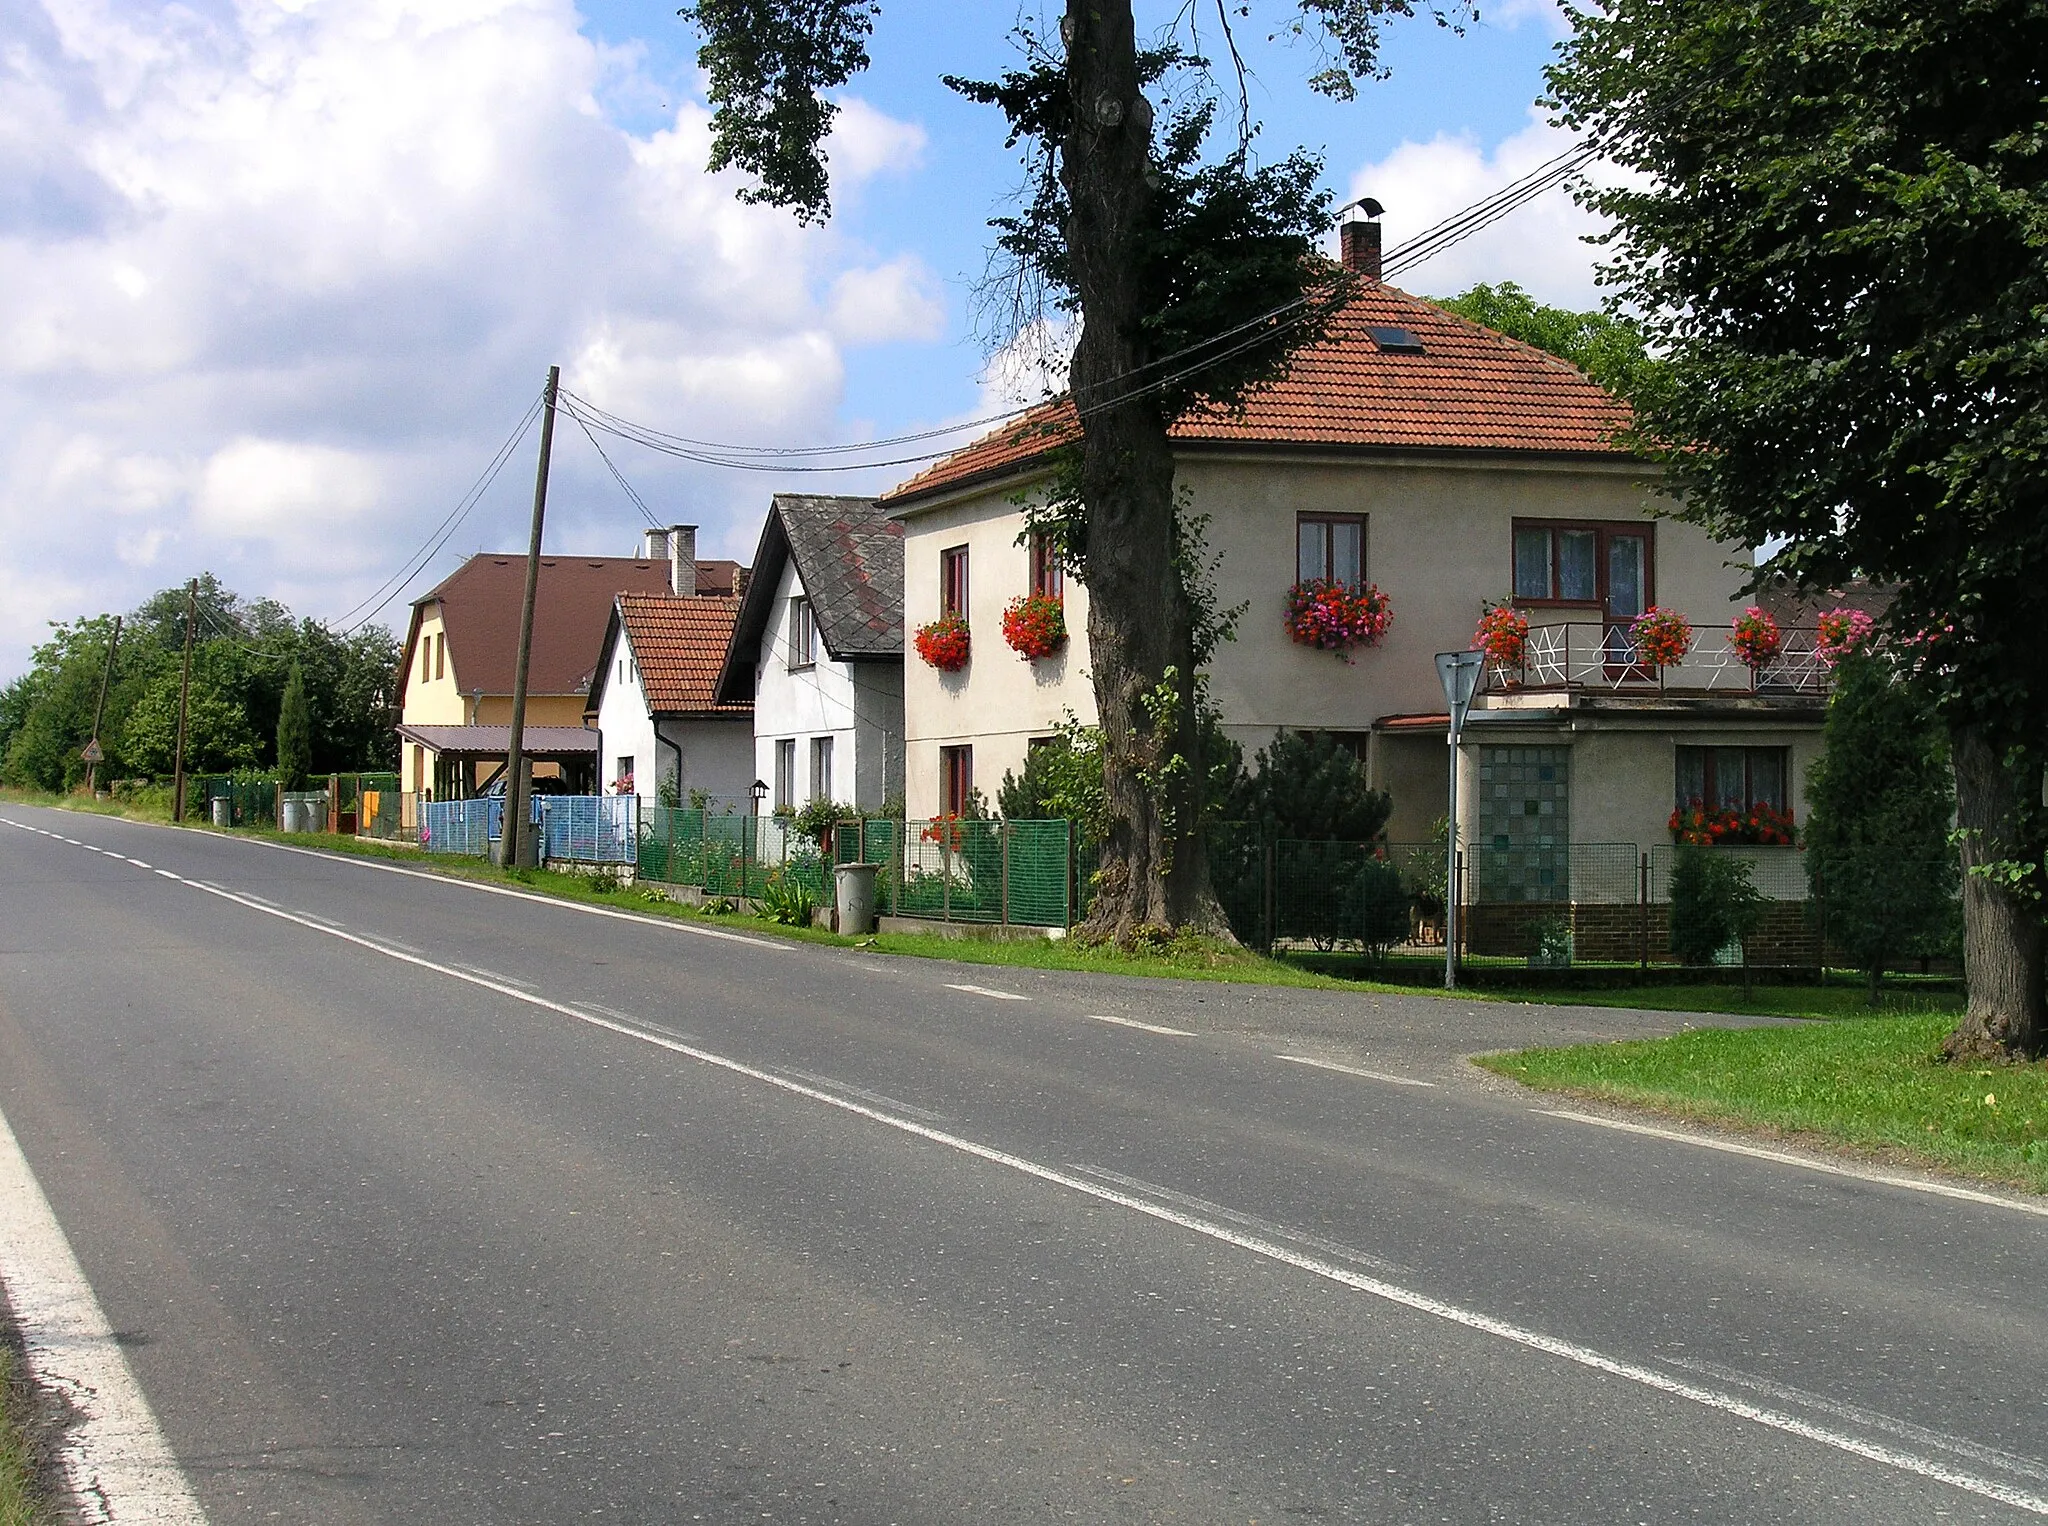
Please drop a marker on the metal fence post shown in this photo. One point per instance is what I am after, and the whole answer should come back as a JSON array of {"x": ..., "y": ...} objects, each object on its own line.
[
  {"x": 1643, "y": 900},
  {"x": 1268, "y": 901},
  {"x": 1070, "y": 882},
  {"x": 1003, "y": 837},
  {"x": 947, "y": 827}
]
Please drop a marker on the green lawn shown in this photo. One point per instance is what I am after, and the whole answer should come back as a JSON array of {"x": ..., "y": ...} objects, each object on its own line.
[
  {"x": 1874, "y": 1085},
  {"x": 1841, "y": 997}
]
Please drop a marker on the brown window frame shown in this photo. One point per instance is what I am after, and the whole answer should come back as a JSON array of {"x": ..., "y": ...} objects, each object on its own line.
[
  {"x": 956, "y": 768},
  {"x": 440, "y": 655},
  {"x": 1709, "y": 796},
  {"x": 1048, "y": 577},
  {"x": 803, "y": 635},
  {"x": 1602, "y": 529},
  {"x": 953, "y": 588},
  {"x": 1363, "y": 521}
]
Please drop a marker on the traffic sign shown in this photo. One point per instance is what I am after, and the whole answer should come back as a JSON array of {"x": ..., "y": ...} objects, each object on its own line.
[{"x": 92, "y": 752}]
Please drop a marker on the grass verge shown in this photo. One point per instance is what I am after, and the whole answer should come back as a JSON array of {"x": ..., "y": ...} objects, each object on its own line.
[
  {"x": 22, "y": 1503},
  {"x": 1876, "y": 1086},
  {"x": 1835, "y": 1000}
]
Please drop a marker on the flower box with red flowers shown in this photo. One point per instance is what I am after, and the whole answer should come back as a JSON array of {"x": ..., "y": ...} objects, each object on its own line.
[
  {"x": 1035, "y": 625},
  {"x": 1756, "y": 639},
  {"x": 1503, "y": 635},
  {"x": 944, "y": 643},
  {"x": 1709, "y": 826},
  {"x": 1333, "y": 616}
]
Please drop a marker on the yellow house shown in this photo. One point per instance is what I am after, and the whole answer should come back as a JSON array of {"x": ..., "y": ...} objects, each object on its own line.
[
  {"x": 455, "y": 698},
  {"x": 1451, "y": 468}
]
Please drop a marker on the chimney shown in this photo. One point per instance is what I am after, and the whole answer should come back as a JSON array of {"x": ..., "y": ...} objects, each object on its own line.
[
  {"x": 1361, "y": 245},
  {"x": 682, "y": 563},
  {"x": 654, "y": 546}
]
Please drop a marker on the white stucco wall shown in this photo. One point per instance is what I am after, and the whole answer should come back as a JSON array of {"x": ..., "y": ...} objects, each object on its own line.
[
  {"x": 718, "y": 757},
  {"x": 625, "y": 728},
  {"x": 857, "y": 704},
  {"x": 1439, "y": 543}
]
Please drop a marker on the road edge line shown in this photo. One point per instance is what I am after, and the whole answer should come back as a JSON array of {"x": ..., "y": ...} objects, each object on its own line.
[{"x": 115, "y": 1457}]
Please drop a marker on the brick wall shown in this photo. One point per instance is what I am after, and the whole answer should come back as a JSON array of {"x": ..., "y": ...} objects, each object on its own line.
[{"x": 1602, "y": 933}]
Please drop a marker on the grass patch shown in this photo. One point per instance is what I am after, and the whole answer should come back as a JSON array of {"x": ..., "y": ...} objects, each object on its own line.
[
  {"x": 1876, "y": 1086},
  {"x": 1834, "y": 1000},
  {"x": 21, "y": 1502}
]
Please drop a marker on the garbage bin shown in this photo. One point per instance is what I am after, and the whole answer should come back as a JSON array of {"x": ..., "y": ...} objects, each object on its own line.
[
  {"x": 223, "y": 811},
  {"x": 855, "y": 886}
]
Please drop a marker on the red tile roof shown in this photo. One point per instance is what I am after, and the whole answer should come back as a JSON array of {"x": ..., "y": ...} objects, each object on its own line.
[
  {"x": 1469, "y": 389},
  {"x": 680, "y": 645}
]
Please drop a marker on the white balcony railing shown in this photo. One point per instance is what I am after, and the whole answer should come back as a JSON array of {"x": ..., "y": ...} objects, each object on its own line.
[{"x": 1597, "y": 655}]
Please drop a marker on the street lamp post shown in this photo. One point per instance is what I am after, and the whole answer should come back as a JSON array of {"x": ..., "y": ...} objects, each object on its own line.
[
  {"x": 748, "y": 835},
  {"x": 1460, "y": 674}
]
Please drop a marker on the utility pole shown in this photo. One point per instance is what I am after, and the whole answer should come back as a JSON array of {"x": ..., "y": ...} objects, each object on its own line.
[
  {"x": 516, "y": 847},
  {"x": 184, "y": 699},
  {"x": 99, "y": 711}
]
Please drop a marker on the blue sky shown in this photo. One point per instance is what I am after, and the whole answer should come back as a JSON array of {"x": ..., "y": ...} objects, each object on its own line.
[{"x": 277, "y": 276}]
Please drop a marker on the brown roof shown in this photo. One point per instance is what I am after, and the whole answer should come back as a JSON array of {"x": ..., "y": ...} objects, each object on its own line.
[
  {"x": 481, "y": 601},
  {"x": 679, "y": 645},
  {"x": 1468, "y": 389}
]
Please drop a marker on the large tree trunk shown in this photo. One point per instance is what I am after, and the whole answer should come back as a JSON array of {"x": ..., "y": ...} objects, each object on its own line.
[
  {"x": 2002, "y": 933},
  {"x": 1140, "y": 622}
]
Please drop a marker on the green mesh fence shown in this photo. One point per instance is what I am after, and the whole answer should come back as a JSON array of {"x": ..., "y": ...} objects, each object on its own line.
[
  {"x": 252, "y": 802},
  {"x": 1780, "y": 873}
]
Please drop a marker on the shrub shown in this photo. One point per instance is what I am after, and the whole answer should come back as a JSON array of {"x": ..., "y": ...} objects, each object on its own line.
[
  {"x": 788, "y": 899},
  {"x": 1380, "y": 904},
  {"x": 1879, "y": 803},
  {"x": 1714, "y": 902},
  {"x": 1309, "y": 786}
]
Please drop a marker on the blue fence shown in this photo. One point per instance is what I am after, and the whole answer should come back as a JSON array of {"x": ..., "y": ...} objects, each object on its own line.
[
  {"x": 456, "y": 826},
  {"x": 590, "y": 829}
]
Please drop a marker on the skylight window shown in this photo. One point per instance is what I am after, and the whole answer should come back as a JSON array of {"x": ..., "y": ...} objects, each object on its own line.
[{"x": 1395, "y": 341}]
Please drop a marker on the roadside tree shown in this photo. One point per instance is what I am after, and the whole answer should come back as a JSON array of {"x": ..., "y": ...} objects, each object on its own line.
[
  {"x": 1836, "y": 233},
  {"x": 1193, "y": 273}
]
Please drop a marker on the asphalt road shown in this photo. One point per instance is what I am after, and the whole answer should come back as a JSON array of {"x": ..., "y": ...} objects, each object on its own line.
[{"x": 417, "y": 1202}]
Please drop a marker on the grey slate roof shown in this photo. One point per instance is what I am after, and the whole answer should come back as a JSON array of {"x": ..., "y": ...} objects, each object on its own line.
[{"x": 849, "y": 555}]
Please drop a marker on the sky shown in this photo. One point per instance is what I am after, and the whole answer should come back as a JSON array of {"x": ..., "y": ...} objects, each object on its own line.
[{"x": 278, "y": 278}]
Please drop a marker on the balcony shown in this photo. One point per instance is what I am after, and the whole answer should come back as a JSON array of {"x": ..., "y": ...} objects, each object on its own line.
[{"x": 1598, "y": 656}]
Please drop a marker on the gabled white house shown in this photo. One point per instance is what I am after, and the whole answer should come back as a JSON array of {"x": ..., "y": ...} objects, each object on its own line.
[
  {"x": 818, "y": 652},
  {"x": 652, "y": 704}
]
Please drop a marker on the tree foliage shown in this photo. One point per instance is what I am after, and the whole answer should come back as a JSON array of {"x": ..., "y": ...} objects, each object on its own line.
[
  {"x": 242, "y": 656},
  {"x": 294, "y": 732},
  {"x": 1308, "y": 786},
  {"x": 1837, "y": 234},
  {"x": 1879, "y": 803},
  {"x": 1606, "y": 348}
]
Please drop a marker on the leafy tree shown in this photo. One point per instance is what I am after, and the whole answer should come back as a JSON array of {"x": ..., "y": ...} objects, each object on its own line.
[
  {"x": 1714, "y": 902},
  {"x": 1308, "y": 786},
  {"x": 218, "y": 737},
  {"x": 1162, "y": 248},
  {"x": 1062, "y": 780},
  {"x": 1608, "y": 349},
  {"x": 1380, "y": 904},
  {"x": 295, "y": 733},
  {"x": 1837, "y": 233},
  {"x": 1879, "y": 803}
]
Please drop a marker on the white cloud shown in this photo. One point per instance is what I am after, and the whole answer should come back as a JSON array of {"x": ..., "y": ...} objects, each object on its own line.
[
  {"x": 1031, "y": 367},
  {"x": 276, "y": 277},
  {"x": 1540, "y": 245},
  {"x": 898, "y": 300}
]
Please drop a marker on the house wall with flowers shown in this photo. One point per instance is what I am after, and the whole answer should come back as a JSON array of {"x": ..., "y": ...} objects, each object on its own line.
[{"x": 1438, "y": 543}]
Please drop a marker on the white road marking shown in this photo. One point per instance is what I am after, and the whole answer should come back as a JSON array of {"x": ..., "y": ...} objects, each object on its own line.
[
  {"x": 138, "y": 863},
  {"x": 1132, "y": 1022},
  {"x": 1783, "y": 1158},
  {"x": 114, "y": 1453},
  {"x": 168, "y": 875},
  {"x": 1421, "y": 1303},
  {"x": 1353, "y": 1070},
  {"x": 671, "y": 923},
  {"x": 986, "y": 991}
]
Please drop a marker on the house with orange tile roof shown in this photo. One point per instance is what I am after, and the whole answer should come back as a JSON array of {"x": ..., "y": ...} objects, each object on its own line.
[
  {"x": 652, "y": 706},
  {"x": 455, "y": 679},
  {"x": 1453, "y": 469}
]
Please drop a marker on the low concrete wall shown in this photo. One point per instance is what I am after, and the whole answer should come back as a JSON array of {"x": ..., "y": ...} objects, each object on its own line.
[{"x": 988, "y": 932}]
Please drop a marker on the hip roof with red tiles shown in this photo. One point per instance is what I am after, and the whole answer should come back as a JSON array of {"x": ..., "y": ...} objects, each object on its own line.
[{"x": 1461, "y": 387}]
